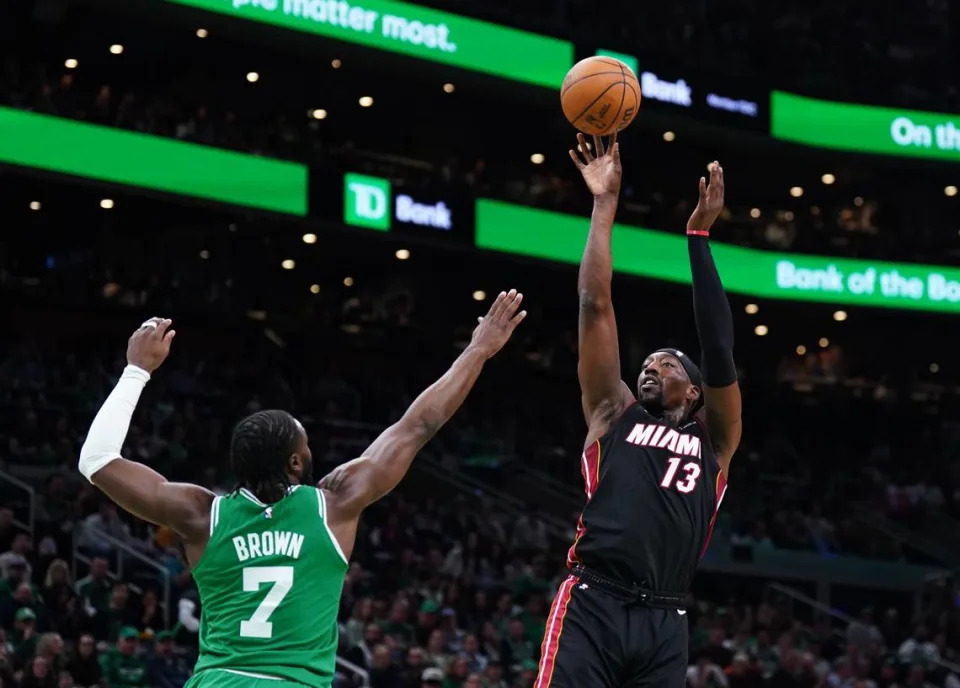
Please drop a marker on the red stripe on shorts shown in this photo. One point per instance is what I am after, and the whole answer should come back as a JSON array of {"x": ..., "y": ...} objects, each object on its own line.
[{"x": 551, "y": 639}]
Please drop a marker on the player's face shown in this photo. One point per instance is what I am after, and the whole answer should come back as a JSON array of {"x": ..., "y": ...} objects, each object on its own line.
[
  {"x": 306, "y": 458},
  {"x": 663, "y": 383}
]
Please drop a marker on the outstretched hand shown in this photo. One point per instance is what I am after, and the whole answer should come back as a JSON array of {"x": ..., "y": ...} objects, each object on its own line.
[
  {"x": 602, "y": 172},
  {"x": 495, "y": 328},
  {"x": 711, "y": 201},
  {"x": 149, "y": 346}
]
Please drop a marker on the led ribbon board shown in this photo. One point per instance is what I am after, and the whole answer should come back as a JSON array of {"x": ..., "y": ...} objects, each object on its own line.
[
  {"x": 416, "y": 31},
  {"x": 864, "y": 128},
  {"x": 151, "y": 162},
  {"x": 663, "y": 256}
]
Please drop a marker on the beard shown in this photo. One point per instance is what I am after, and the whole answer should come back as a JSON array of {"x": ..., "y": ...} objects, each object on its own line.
[
  {"x": 652, "y": 400},
  {"x": 306, "y": 473}
]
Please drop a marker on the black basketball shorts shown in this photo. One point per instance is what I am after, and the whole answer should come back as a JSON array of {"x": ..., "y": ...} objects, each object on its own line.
[{"x": 596, "y": 640}]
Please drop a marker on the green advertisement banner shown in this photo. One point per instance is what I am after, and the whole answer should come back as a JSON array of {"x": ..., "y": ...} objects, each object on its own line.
[
  {"x": 416, "y": 31},
  {"x": 864, "y": 128},
  {"x": 659, "y": 255},
  {"x": 150, "y": 162}
]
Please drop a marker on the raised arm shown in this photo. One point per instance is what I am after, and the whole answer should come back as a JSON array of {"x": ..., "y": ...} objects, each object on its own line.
[
  {"x": 604, "y": 392},
  {"x": 140, "y": 490},
  {"x": 721, "y": 392},
  {"x": 357, "y": 484}
]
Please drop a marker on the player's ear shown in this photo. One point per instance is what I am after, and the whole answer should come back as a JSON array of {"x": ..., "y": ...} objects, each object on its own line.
[
  {"x": 295, "y": 464},
  {"x": 693, "y": 393}
]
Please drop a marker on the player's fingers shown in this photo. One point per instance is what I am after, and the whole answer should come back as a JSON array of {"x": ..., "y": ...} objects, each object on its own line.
[
  {"x": 518, "y": 319},
  {"x": 703, "y": 187},
  {"x": 506, "y": 307},
  {"x": 497, "y": 305},
  {"x": 584, "y": 149},
  {"x": 513, "y": 305},
  {"x": 162, "y": 327},
  {"x": 576, "y": 159},
  {"x": 613, "y": 142},
  {"x": 168, "y": 336},
  {"x": 598, "y": 145}
]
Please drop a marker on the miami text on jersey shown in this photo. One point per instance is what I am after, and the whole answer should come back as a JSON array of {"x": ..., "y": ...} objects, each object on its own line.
[{"x": 662, "y": 437}]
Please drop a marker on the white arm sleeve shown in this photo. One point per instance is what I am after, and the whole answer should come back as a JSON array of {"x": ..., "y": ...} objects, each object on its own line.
[
  {"x": 109, "y": 429},
  {"x": 185, "y": 615}
]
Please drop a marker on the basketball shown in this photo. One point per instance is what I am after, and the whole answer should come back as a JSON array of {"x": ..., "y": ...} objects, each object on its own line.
[{"x": 600, "y": 95}]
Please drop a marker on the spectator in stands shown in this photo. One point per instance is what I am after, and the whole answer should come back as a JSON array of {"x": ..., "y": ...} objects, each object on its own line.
[
  {"x": 383, "y": 672},
  {"x": 122, "y": 665},
  {"x": 705, "y": 673},
  {"x": 107, "y": 521},
  {"x": 432, "y": 678},
  {"x": 918, "y": 649},
  {"x": 24, "y": 636},
  {"x": 118, "y": 614},
  {"x": 38, "y": 674},
  {"x": 413, "y": 667},
  {"x": 54, "y": 508},
  {"x": 361, "y": 654},
  {"x": 50, "y": 647},
  {"x": 360, "y": 617},
  {"x": 517, "y": 648},
  {"x": 150, "y": 615},
  {"x": 85, "y": 665},
  {"x": 436, "y": 653},
  {"x": 396, "y": 626},
  {"x": 95, "y": 588},
  {"x": 165, "y": 669},
  {"x": 19, "y": 555},
  {"x": 426, "y": 620},
  {"x": 862, "y": 633},
  {"x": 476, "y": 660},
  {"x": 56, "y": 582},
  {"x": 456, "y": 673}
]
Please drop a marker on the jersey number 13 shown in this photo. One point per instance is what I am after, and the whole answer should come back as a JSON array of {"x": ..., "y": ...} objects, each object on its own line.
[{"x": 686, "y": 483}]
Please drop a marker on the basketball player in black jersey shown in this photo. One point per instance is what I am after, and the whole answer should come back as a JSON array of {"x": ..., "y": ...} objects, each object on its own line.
[{"x": 655, "y": 469}]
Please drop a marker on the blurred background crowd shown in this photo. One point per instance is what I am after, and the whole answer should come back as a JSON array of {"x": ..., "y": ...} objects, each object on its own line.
[{"x": 834, "y": 559}]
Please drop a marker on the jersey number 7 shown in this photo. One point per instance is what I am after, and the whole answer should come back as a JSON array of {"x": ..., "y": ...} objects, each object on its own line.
[
  {"x": 686, "y": 484},
  {"x": 258, "y": 625}
]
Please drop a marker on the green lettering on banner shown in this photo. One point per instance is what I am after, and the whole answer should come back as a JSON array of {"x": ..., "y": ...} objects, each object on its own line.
[
  {"x": 663, "y": 256},
  {"x": 864, "y": 128},
  {"x": 151, "y": 162},
  {"x": 414, "y": 30}
]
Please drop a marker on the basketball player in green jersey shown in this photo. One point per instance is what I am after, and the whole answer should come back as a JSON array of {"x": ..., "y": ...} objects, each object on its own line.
[{"x": 269, "y": 559}]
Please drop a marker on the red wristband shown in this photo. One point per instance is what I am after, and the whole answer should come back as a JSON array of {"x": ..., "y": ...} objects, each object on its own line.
[{"x": 698, "y": 232}]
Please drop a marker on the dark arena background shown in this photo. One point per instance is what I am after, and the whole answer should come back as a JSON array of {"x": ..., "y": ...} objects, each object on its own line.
[{"x": 324, "y": 196}]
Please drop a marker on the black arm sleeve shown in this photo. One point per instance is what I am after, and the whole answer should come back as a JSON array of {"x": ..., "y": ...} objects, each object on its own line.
[{"x": 714, "y": 319}]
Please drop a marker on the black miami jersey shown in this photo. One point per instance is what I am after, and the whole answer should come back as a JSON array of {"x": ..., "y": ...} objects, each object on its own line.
[{"x": 653, "y": 491}]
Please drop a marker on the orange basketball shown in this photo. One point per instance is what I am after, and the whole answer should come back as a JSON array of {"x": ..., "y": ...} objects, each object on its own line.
[{"x": 600, "y": 95}]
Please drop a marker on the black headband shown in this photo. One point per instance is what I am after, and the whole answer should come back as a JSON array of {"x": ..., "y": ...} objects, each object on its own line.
[{"x": 693, "y": 372}]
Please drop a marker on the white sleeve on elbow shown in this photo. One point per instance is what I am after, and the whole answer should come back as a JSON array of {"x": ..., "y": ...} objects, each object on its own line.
[
  {"x": 185, "y": 615},
  {"x": 109, "y": 428}
]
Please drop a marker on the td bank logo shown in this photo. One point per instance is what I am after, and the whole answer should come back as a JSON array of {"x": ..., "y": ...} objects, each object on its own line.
[{"x": 366, "y": 202}]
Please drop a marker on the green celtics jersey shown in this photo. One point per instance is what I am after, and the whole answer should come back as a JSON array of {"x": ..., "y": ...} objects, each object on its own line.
[{"x": 270, "y": 583}]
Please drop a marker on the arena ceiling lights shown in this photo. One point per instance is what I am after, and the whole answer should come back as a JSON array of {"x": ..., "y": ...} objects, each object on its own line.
[
  {"x": 413, "y": 30},
  {"x": 85, "y": 150}
]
